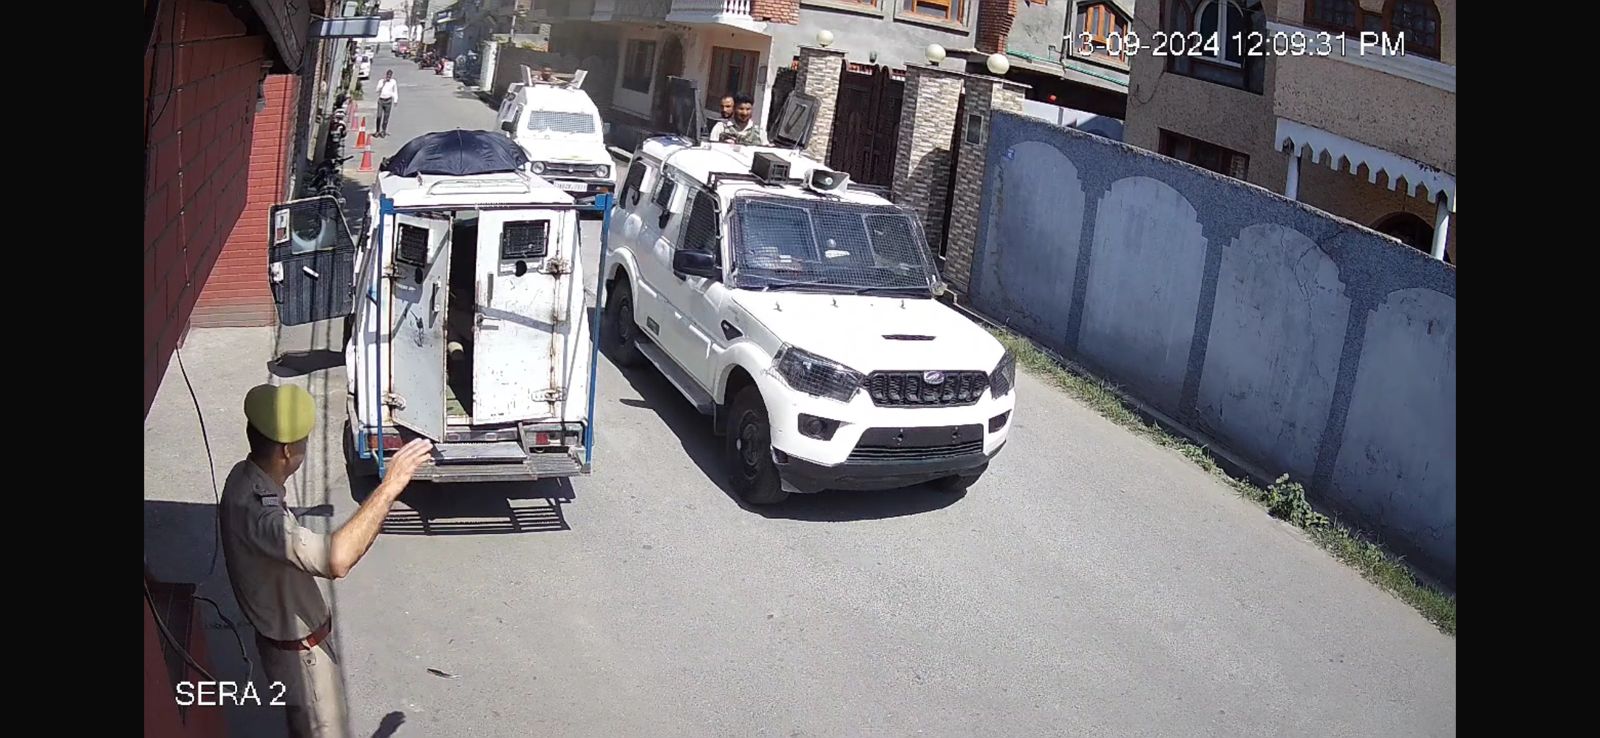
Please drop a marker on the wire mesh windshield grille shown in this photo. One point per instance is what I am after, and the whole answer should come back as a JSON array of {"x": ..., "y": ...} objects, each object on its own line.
[
  {"x": 794, "y": 243},
  {"x": 926, "y": 389},
  {"x": 549, "y": 121}
]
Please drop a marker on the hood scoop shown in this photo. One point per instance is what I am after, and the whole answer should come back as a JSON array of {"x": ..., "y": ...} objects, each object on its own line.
[{"x": 907, "y": 337}]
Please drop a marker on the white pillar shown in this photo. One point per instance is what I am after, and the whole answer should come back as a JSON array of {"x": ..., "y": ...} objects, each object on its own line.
[
  {"x": 1292, "y": 189},
  {"x": 1441, "y": 227}
]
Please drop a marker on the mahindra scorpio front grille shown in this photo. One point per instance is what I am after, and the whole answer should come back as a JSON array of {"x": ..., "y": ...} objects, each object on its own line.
[{"x": 926, "y": 388}]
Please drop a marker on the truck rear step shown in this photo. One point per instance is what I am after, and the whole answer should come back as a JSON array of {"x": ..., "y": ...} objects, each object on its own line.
[{"x": 535, "y": 466}]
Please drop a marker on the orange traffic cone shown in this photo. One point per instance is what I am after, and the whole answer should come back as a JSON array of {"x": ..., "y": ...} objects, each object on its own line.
[
  {"x": 361, "y": 135},
  {"x": 366, "y": 161}
]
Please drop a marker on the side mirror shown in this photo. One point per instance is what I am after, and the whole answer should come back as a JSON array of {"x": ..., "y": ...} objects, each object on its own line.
[
  {"x": 606, "y": 129},
  {"x": 687, "y": 263},
  {"x": 509, "y": 126}
]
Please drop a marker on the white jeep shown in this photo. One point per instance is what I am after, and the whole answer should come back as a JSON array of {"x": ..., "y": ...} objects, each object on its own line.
[
  {"x": 560, "y": 128},
  {"x": 800, "y": 314}
]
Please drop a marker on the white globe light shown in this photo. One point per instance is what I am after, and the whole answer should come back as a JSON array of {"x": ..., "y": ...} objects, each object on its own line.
[
  {"x": 998, "y": 64},
  {"x": 824, "y": 38},
  {"x": 935, "y": 54}
]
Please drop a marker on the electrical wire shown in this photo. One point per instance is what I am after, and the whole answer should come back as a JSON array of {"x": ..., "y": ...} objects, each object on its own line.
[
  {"x": 162, "y": 625},
  {"x": 211, "y": 462},
  {"x": 249, "y": 668}
]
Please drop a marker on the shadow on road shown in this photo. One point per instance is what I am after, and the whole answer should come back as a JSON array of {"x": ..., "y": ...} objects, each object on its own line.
[
  {"x": 300, "y": 363},
  {"x": 389, "y": 724},
  {"x": 704, "y": 447}
]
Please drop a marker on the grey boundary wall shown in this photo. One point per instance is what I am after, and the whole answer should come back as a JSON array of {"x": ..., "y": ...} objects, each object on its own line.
[{"x": 1300, "y": 341}]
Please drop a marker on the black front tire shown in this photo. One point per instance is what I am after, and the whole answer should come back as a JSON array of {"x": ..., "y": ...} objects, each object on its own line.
[
  {"x": 620, "y": 334},
  {"x": 748, "y": 451}
]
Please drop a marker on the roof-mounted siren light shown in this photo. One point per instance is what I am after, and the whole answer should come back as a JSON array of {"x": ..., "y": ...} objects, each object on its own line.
[
  {"x": 795, "y": 122},
  {"x": 827, "y": 181},
  {"x": 683, "y": 109}
]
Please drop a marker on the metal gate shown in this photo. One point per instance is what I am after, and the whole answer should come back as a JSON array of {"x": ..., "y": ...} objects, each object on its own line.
[{"x": 866, "y": 126}]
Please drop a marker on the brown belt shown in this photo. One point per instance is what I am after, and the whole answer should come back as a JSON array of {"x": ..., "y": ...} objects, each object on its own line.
[{"x": 304, "y": 644}]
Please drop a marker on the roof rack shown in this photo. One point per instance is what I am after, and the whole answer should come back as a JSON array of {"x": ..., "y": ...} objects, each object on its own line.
[{"x": 500, "y": 185}]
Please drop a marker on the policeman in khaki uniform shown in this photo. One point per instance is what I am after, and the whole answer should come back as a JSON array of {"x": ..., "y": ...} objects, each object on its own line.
[{"x": 273, "y": 560}]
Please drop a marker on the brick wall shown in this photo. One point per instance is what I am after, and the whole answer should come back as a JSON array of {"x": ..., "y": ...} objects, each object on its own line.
[
  {"x": 236, "y": 294},
  {"x": 922, "y": 155},
  {"x": 819, "y": 77},
  {"x": 984, "y": 96},
  {"x": 994, "y": 24},
  {"x": 775, "y": 11},
  {"x": 202, "y": 98}
]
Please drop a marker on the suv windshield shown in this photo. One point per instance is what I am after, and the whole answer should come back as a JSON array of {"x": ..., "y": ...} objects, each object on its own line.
[
  {"x": 828, "y": 246},
  {"x": 549, "y": 121}
]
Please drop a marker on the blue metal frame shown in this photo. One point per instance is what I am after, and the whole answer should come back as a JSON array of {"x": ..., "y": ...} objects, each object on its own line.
[
  {"x": 386, "y": 209},
  {"x": 595, "y": 324}
]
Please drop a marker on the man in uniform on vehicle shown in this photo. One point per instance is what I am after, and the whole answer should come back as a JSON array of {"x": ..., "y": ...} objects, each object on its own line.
[
  {"x": 742, "y": 128},
  {"x": 273, "y": 561}
]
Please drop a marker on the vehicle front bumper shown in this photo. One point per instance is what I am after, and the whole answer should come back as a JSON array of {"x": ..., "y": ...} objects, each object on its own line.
[
  {"x": 864, "y": 476},
  {"x": 582, "y": 187},
  {"x": 810, "y": 464}
]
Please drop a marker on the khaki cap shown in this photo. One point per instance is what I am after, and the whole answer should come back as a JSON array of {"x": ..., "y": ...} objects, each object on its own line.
[{"x": 283, "y": 413}]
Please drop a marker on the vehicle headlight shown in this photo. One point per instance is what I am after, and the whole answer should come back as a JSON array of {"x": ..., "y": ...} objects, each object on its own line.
[
  {"x": 1004, "y": 377},
  {"x": 537, "y": 167},
  {"x": 815, "y": 375},
  {"x": 602, "y": 171}
]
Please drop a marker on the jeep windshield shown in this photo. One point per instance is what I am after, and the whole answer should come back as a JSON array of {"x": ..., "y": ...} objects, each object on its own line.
[
  {"x": 554, "y": 123},
  {"x": 785, "y": 243}
]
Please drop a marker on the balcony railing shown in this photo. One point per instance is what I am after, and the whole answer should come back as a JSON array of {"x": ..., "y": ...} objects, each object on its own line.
[{"x": 687, "y": 11}]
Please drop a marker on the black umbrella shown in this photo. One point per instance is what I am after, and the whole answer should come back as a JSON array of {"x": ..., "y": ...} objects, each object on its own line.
[{"x": 457, "y": 153}]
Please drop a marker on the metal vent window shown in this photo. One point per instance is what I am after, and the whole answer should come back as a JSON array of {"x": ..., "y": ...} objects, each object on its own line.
[
  {"x": 548, "y": 121},
  {"x": 700, "y": 228},
  {"x": 413, "y": 245},
  {"x": 525, "y": 239},
  {"x": 912, "y": 389}
]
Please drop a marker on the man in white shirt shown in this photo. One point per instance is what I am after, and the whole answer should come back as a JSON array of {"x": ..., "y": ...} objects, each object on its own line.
[
  {"x": 742, "y": 128},
  {"x": 388, "y": 93}
]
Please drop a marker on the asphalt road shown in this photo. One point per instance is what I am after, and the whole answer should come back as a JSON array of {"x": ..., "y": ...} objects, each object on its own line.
[{"x": 1091, "y": 584}]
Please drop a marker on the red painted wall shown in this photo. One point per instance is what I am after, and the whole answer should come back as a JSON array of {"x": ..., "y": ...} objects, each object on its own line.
[
  {"x": 202, "y": 79},
  {"x": 162, "y": 718},
  {"x": 236, "y": 294}
]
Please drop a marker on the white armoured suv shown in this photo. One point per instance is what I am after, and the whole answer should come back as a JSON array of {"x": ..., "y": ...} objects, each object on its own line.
[
  {"x": 801, "y": 315},
  {"x": 560, "y": 128}
]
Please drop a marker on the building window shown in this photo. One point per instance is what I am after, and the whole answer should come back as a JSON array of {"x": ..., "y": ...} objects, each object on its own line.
[
  {"x": 1096, "y": 25},
  {"x": 1221, "y": 24},
  {"x": 1204, "y": 155},
  {"x": 1335, "y": 15},
  {"x": 1408, "y": 229},
  {"x": 733, "y": 71},
  {"x": 639, "y": 64},
  {"x": 945, "y": 10},
  {"x": 1418, "y": 22}
]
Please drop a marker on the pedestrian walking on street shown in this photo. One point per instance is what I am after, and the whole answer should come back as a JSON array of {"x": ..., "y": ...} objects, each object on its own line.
[
  {"x": 273, "y": 561},
  {"x": 388, "y": 94},
  {"x": 742, "y": 128}
]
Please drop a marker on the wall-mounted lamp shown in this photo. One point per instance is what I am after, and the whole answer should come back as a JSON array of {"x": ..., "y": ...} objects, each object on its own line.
[
  {"x": 935, "y": 54},
  {"x": 998, "y": 64},
  {"x": 872, "y": 56}
]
